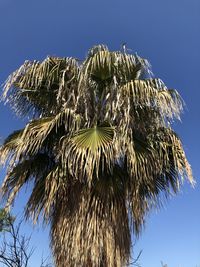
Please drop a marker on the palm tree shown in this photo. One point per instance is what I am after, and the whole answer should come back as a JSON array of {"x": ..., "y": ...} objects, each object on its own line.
[{"x": 99, "y": 151}]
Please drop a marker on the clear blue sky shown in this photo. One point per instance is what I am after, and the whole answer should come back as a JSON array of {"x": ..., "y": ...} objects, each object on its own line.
[{"x": 168, "y": 34}]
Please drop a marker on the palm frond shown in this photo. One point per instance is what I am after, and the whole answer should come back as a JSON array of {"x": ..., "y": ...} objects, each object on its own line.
[
  {"x": 106, "y": 66},
  {"x": 31, "y": 139},
  {"x": 9, "y": 146},
  {"x": 42, "y": 87},
  {"x": 83, "y": 153},
  {"x": 141, "y": 92},
  {"x": 94, "y": 138},
  {"x": 23, "y": 172}
]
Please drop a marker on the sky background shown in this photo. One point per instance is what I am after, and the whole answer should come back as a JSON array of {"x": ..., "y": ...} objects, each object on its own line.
[{"x": 167, "y": 33}]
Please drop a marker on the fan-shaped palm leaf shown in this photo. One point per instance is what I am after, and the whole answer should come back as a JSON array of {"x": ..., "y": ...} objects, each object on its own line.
[{"x": 94, "y": 138}]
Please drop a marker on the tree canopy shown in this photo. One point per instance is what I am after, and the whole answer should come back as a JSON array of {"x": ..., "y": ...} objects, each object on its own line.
[{"x": 99, "y": 150}]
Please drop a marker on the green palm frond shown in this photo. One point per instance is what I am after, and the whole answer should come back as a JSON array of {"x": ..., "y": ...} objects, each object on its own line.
[
  {"x": 83, "y": 153},
  {"x": 94, "y": 138}
]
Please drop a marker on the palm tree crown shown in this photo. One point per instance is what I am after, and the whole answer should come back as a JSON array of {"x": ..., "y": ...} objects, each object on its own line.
[{"x": 99, "y": 150}]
